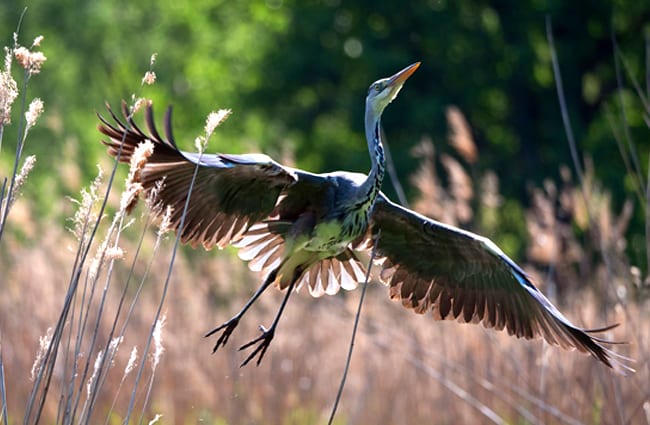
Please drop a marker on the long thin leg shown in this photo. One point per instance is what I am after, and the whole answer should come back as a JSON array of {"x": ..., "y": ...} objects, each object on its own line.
[
  {"x": 264, "y": 340},
  {"x": 229, "y": 326}
]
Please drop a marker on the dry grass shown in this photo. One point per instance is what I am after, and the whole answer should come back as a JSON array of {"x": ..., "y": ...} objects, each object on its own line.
[
  {"x": 401, "y": 372},
  {"x": 406, "y": 369}
]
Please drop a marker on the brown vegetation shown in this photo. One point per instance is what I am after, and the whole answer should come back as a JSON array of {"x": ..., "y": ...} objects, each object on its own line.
[{"x": 406, "y": 369}]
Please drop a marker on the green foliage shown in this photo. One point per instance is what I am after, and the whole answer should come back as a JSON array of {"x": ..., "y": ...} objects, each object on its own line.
[
  {"x": 504, "y": 225},
  {"x": 295, "y": 74}
]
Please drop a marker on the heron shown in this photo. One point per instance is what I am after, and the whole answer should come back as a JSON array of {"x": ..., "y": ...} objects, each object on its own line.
[{"x": 302, "y": 229}]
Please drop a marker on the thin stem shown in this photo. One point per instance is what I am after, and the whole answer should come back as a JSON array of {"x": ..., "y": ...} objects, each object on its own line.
[
  {"x": 354, "y": 330},
  {"x": 626, "y": 130},
  {"x": 3, "y": 392},
  {"x": 647, "y": 63},
  {"x": 49, "y": 360},
  {"x": 609, "y": 115},
  {"x": 19, "y": 152},
  {"x": 113, "y": 237},
  {"x": 647, "y": 217},
  {"x": 164, "y": 290},
  {"x": 563, "y": 108},
  {"x": 630, "y": 75},
  {"x": 110, "y": 354},
  {"x": 392, "y": 173}
]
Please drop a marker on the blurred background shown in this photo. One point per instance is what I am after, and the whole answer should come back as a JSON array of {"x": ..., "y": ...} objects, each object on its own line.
[
  {"x": 295, "y": 75},
  {"x": 477, "y": 139}
]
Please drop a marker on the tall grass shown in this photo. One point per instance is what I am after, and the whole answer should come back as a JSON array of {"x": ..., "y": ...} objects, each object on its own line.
[
  {"x": 82, "y": 315},
  {"x": 76, "y": 355}
]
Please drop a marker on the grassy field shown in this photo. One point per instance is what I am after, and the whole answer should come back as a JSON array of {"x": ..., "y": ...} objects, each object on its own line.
[
  {"x": 405, "y": 369},
  {"x": 96, "y": 328}
]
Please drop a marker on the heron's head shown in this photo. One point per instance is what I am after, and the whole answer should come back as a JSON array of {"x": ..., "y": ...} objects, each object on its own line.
[{"x": 382, "y": 92}]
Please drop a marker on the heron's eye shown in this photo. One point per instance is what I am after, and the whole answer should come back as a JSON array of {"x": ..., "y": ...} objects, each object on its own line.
[{"x": 377, "y": 87}]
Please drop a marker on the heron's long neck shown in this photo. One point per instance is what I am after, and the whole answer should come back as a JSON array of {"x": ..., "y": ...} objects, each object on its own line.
[{"x": 371, "y": 187}]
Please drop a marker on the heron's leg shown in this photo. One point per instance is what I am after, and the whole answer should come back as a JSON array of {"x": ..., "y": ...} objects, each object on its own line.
[
  {"x": 264, "y": 340},
  {"x": 229, "y": 326}
]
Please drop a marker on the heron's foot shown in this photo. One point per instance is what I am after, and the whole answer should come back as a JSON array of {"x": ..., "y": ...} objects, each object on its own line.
[
  {"x": 263, "y": 340},
  {"x": 227, "y": 328}
]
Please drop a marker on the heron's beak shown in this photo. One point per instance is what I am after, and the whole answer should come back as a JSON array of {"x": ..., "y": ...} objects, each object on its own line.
[
  {"x": 398, "y": 79},
  {"x": 395, "y": 83}
]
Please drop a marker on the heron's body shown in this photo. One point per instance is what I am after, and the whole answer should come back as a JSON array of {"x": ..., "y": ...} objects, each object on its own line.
[
  {"x": 331, "y": 231},
  {"x": 304, "y": 229}
]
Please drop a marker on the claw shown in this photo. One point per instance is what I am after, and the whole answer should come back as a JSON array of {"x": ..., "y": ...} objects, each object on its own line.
[
  {"x": 264, "y": 341},
  {"x": 228, "y": 327}
]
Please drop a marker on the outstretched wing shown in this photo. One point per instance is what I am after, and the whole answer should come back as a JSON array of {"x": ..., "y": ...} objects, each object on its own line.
[
  {"x": 458, "y": 275},
  {"x": 249, "y": 200},
  {"x": 231, "y": 192}
]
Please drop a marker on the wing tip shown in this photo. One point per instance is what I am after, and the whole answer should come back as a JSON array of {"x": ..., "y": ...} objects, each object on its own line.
[{"x": 597, "y": 348}]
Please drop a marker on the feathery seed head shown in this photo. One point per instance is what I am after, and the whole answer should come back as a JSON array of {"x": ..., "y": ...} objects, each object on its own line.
[
  {"x": 34, "y": 111},
  {"x": 152, "y": 200},
  {"x": 200, "y": 143},
  {"x": 8, "y": 90},
  {"x": 166, "y": 223},
  {"x": 93, "y": 377},
  {"x": 9, "y": 54},
  {"x": 31, "y": 61},
  {"x": 142, "y": 152},
  {"x": 131, "y": 363},
  {"x": 97, "y": 261},
  {"x": 133, "y": 186},
  {"x": 115, "y": 344},
  {"x": 130, "y": 197},
  {"x": 157, "y": 340},
  {"x": 156, "y": 419},
  {"x": 149, "y": 78},
  {"x": 138, "y": 103},
  {"x": 214, "y": 120},
  {"x": 114, "y": 253},
  {"x": 85, "y": 213},
  {"x": 21, "y": 177},
  {"x": 44, "y": 344}
]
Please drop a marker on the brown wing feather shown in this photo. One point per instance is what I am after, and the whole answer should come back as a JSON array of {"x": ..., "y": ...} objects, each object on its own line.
[
  {"x": 231, "y": 192},
  {"x": 459, "y": 275}
]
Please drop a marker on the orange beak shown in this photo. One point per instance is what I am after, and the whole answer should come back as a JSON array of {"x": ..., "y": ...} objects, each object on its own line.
[{"x": 399, "y": 78}]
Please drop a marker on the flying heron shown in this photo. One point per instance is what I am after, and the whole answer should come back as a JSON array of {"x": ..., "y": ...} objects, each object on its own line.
[{"x": 305, "y": 230}]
